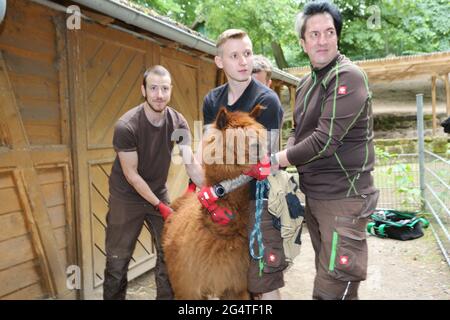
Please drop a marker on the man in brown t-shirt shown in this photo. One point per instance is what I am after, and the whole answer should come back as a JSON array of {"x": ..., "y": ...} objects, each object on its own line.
[
  {"x": 334, "y": 154},
  {"x": 143, "y": 139}
]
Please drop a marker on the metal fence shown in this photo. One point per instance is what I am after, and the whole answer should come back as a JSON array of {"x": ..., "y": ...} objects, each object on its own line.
[
  {"x": 417, "y": 182},
  {"x": 397, "y": 178},
  {"x": 434, "y": 181}
]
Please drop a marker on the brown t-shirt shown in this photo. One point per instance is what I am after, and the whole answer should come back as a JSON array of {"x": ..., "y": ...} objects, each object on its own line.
[{"x": 134, "y": 132}]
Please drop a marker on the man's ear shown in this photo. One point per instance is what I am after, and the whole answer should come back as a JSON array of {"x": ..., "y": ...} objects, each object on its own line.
[
  {"x": 222, "y": 118},
  {"x": 218, "y": 61},
  {"x": 269, "y": 83},
  {"x": 143, "y": 90},
  {"x": 302, "y": 44}
]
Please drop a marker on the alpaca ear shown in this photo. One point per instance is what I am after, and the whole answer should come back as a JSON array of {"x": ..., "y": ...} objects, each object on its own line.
[
  {"x": 256, "y": 111},
  {"x": 222, "y": 118}
]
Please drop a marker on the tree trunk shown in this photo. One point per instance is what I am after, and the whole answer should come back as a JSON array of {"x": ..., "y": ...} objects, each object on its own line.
[{"x": 279, "y": 55}]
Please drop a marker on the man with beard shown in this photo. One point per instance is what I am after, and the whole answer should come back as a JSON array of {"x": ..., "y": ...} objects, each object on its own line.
[{"x": 143, "y": 140}]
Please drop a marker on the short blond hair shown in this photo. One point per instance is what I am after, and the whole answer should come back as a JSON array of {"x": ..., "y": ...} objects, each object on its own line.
[{"x": 229, "y": 34}]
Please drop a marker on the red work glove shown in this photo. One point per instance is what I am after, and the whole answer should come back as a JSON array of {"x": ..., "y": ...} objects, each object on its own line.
[
  {"x": 259, "y": 171},
  {"x": 164, "y": 210},
  {"x": 207, "y": 197},
  {"x": 191, "y": 187},
  {"x": 220, "y": 215}
]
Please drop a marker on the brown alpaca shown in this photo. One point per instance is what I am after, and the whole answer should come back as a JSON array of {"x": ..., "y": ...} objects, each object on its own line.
[{"x": 203, "y": 258}]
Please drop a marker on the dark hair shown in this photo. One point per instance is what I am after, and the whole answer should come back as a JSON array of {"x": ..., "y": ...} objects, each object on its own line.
[
  {"x": 317, "y": 7},
  {"x": 158, "y": 70}
]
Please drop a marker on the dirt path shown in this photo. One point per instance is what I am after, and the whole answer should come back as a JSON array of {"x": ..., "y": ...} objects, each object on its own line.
[{"x": 403, "y": 270}]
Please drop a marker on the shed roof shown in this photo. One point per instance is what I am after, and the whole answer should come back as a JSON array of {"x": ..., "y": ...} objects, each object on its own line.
[{"x": 397, "y": 68}]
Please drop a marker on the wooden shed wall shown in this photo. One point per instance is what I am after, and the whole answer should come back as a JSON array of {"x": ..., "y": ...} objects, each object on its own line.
[
  {"x": 61, "y": 94},
  {"x": 36, "y": 212}
]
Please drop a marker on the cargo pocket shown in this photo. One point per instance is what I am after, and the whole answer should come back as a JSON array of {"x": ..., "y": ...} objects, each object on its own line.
[
  {"x": 274, "y": 259},
  {"x": 348, "y": 259},
  {"x": 274, "y": 256}
]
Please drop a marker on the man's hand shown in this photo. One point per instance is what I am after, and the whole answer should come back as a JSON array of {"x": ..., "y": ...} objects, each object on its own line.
[
  {"x": 207, "y": 197},
  {"x": 164, "y": 210},
  {"x": 191, "y": 187},
  {"x": 259, "y": 171}
]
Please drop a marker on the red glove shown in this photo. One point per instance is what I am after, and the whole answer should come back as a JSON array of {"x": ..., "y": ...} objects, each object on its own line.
[
  {"x": 191, "y": 187},
  {"x": 164, "y": 210},
  {"x": 207, "y": 197},
  {"x": 259, "y": 171},
  {"x": 220, "y": 215}
]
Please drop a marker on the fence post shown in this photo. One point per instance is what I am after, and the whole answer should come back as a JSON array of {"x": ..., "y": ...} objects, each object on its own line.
[{"x": 421, "y": 146}]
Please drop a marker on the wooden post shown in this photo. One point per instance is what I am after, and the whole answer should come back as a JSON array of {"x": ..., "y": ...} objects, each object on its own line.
[
  {"x": 447, "y": 91},
  {"x": 292, "y": 103},
  {"x": 433, "y": 102}
]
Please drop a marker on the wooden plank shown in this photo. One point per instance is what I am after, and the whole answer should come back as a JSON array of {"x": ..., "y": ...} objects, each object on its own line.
[
  {"x": 433, "y": 102},
  {"x": 15, "y": 251},
  {"x": 57, "y": 216},
  {"x": 113, "y": 106},
  {"x": 107, "y": 167},
  {"x": 78, "y": 118},
  {"x": 31, "y": 197},
  {"x": 19, "y": 276},
  {"x": 60, "y": 237},
  {"x": 34, "y": 291},
  {"x": 23, "y": 66},
  {"x": 6, "y": 180},
  {"x": 109, "y": 83},
  {"x": 12, "y": 225},
  {"x": 50, "y": 175},
  {"x": 71, "y": 252},
  {"x": 97, "y": 65},
  {"x": 100, "y": 180},
  {"x": 53, "y": 194},
  {"x": 133, "y": 99},
  {"x": 38, "y": 243},
  {"x": 10, "y": 112},
  {"x": 99, "y": 206},
  {"x": 9, "y": 200},
  {"x": 61, "y": 30},
  {"x": 447, "y": 92}
]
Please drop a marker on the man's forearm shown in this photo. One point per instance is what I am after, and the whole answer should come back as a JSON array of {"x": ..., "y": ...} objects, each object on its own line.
[
  {"x": 142, "y": 188},
  {"x": 195, "y": 172}
]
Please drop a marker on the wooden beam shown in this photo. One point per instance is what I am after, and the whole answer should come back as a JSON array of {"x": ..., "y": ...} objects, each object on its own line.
[
  {"x": 36, "y": 239},
  {"x": 78, "y": 126},
  {"x": 433, "y": 101},
  {"x": 447, "y": 91}
]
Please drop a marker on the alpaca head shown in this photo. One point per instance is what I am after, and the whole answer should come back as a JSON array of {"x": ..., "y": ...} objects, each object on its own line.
[{"x": 235, "y": 142}]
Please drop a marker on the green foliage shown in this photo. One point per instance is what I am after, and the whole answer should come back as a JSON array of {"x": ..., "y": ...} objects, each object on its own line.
[{"x": 406, "y": 27}]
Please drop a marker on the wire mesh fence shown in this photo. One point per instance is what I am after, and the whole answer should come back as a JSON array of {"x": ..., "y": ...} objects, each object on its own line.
[
  {"x": 436, "y": 195},
  {"x": 397, "y": 178}
]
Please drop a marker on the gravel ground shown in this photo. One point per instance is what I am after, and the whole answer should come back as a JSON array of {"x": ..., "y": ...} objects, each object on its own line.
[{"x": 398, "y": 270}]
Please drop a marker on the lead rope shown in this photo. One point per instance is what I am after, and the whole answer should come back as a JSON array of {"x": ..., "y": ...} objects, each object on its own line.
[{"x": 256, "y": 232}]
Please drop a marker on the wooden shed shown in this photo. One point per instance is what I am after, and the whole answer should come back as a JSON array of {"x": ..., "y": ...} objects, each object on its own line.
[{"x": 62, "y": 88}]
